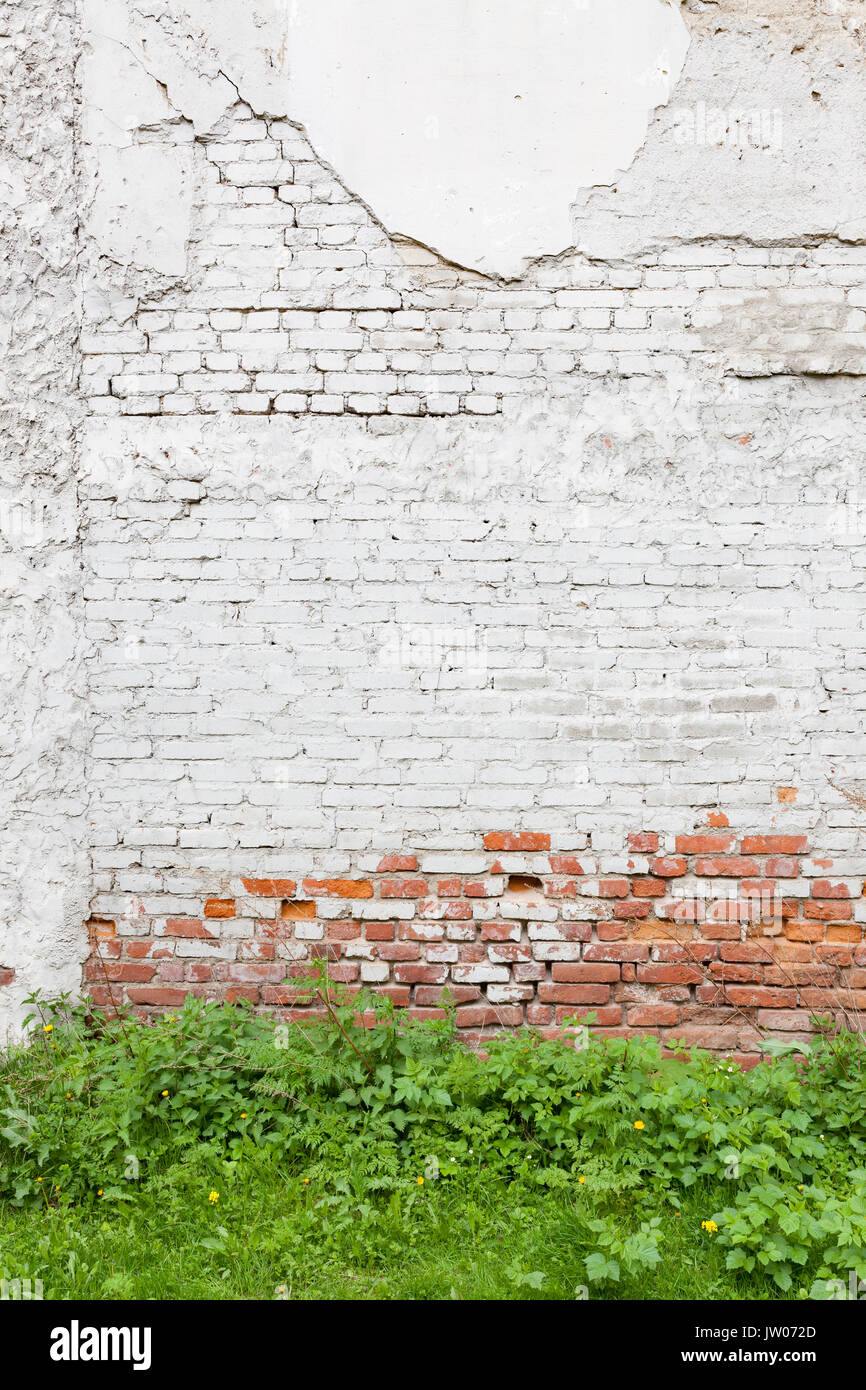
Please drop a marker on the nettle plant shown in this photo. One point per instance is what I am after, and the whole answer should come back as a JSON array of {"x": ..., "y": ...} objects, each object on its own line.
[{"x": 378, "y": 1112}]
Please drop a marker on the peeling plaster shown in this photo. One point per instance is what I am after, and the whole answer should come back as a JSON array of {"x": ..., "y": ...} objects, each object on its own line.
[{"x": 469, "y": 127}]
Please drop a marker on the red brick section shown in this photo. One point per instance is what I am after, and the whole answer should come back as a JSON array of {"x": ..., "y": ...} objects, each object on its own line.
[{"x": 712, "y": 939}]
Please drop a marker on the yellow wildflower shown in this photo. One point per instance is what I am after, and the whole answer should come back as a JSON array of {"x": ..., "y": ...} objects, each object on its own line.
[
  {"x": 48, "y": 1027},
  {"x": 165, "y": 1093},
  {"x": 420, "y": 1182},
  {"x": 639, "y": 1124},
  {"x": 213, "y": 1198},
  {"x": 581, "y": 1180},
  {"x": 709, "y": 1227}
]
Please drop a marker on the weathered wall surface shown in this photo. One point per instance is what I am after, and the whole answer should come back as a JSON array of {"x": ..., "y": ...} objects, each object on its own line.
[
  {"x": 385, "y": 554},
  {"x": 43, "y": 794}
]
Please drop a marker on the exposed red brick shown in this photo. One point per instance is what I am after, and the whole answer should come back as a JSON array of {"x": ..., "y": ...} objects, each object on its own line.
[
  {"x": 823, "y": 888},
  {"x": 704, "y": 844},
  {"x": 219, "y": 907},
  {"x": 670, "y": 867},
  {"x": 269, "y": 887},
  {"x": 521, "y": 842},
  {"x": 338, "y": 887},
  {"x": 774, "y": 844},
  {"x": 565, "y": 864},
  {"x": 734, "y": 867}
]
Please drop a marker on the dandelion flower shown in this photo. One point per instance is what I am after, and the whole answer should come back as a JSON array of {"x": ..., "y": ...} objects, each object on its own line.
[
  {"x": 420, "y": 1182},
  {"x": 306, "y": 1180},
  {"x": 99, "y": 1194},
  {"x": 38, "y": 1179},
  {"x": 799, "y": 1187},
  {"x": 581, "y": 1180},
  {"x": 639, "y": 1124},
  {"x": 165, "y": 1093},
  {"x": 213, "y": 1198},
  {"x": 243, "y": 1114},
  {"x": 68, "y": 1095},
  {"x": 48, "y": 1027}
]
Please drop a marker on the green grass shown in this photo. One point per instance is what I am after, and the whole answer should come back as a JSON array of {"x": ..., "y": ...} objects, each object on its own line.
[
  {"x": 461, "y": 1237},
  {"x": 547, "y": 1171}
]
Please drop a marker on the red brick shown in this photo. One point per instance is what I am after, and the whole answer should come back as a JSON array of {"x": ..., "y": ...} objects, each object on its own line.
[
  {"x": 398, "y": 950},
  {"x": 219, "y": 907},
  {"x": 500, "y": 931},
  {"x": 573, "y": 994},
  {"x": 269, "y": 887},
  {"x": 834, "y": 911},
  {"x": 420, "y": 974},
  {"x": 297, "y": 911},
  {"x": 704, "y": 844},
  {"x": 759, "y": 996},
  {"x": 158, "y": 997},
  {"x": 565, "y": 864},
  {"x": 584, "y": 972},
  {"x": 625, "y": 912},
  {"x": 782, "y": 868},
  {"x": 338, "y": 888},
  {"x": 613, "y": 887},
  {"x": 397, "y": 864},
  {"x": 774, "y": 844},
  {"x": 657, "y": 974},
  {"x": 379, "y": 931},
  {"x": 449, "y": 887},
  {"x": 643, "y": 842},
  {"x": 670, "y": 867},
  {"x": 399, "y": 888},
  {"x": 648, "y": 887},
  {"x": 823, "y": 888},
  {"x": 187, "y": 926},
  {"x": 734, "y": 867},
  {"x": 631, "y": 950},
  {"x": 843, "y": 931},
  {"x": 484, "y": 1016},
  {"x": 652, "y": 1016},
  {"x": 522, "y": 842},
  {"x": 432, "y": 995},
  {"x": 605, "y": 1016}
]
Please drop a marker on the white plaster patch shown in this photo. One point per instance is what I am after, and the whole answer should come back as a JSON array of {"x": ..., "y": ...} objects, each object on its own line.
[
  {"x": 142, "y": 208},
  {"x": 471, "y": 126}
]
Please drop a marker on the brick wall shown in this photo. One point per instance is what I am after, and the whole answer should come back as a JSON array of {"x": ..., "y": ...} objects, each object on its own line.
[
  {"x": 716, "y": 938},
  {"x": 314, "y": 649},
  {"x": 365, "y": 554},
  {"x": 297, "y": 301}
]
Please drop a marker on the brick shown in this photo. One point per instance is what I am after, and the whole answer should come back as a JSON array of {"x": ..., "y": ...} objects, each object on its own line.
[
  {"x": 269, "y": 888},
  {"x": 670, "y": 867},
  {"x": 774, "y": 844},
  {"x": 520, "y": 842},
  {"x": 337, "y": 888},
  {"x": 704, "y": 844},
  {"x": 734, "y": 866},
  {"x": 220, "y": 907}
]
